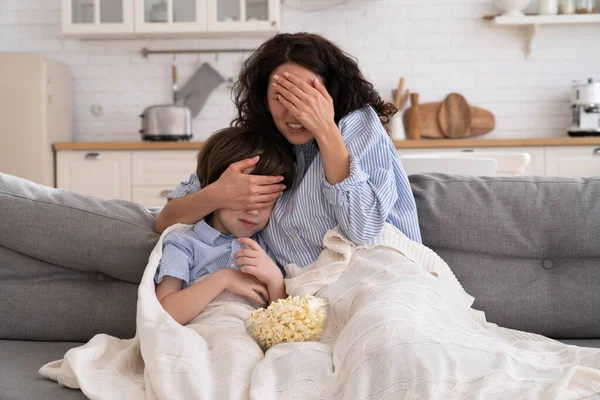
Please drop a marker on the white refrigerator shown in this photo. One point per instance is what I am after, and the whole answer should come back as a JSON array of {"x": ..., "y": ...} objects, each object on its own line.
[{"x": 36, "y": 111}]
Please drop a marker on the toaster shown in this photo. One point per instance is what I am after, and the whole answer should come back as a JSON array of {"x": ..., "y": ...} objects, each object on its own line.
[{"x": 166, "y": 122}]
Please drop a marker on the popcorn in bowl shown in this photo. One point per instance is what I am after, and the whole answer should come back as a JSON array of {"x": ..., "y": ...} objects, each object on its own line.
[{"x": 294, "y": 319}]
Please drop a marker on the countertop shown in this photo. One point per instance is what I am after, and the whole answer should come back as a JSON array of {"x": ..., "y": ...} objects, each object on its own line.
[{"x": 400, "y": 144}]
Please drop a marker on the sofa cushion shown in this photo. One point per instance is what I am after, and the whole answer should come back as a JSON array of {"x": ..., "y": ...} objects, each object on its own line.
[
  {"x": 41, "y": 301},
  {"x": 19, "y": 365},
  {"x": 88, "y": 234},
  {"x": 527, "y": 248}
]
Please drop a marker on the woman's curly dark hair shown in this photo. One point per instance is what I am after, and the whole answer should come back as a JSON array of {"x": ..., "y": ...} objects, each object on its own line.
[{"x": 342, "y": 78}]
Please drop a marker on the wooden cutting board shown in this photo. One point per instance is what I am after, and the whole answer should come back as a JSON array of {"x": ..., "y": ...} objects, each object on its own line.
[
  {"x": 482, "y": 121},
  {"x": 454, "y": 116}
]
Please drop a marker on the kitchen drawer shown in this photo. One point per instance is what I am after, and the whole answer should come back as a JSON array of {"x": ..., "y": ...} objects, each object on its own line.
[
  {"x": 573, "y": 161},
  {"x": 155, "y": 196},
  {"x": 157, "y": 168}
]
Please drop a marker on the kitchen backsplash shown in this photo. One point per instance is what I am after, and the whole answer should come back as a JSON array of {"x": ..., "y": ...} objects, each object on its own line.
[{"x": 439, "y": 46}]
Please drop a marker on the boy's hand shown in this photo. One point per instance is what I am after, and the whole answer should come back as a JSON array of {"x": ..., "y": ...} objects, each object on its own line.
[
  {"x": 244, "y": 285},
  {"x": 254, "y": 260}
]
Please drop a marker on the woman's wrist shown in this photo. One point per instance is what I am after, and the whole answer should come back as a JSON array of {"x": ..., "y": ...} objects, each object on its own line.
[
  {"x": 330, "y": 137},
  {"x": 212, "y": 196}
]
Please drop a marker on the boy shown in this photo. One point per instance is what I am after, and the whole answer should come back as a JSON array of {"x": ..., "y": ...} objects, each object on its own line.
[{"x": 207, "y": 250}]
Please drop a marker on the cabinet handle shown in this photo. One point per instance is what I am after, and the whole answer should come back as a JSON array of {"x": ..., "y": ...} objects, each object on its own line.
[
  {"x": 468, "y": 150},
  {"x": 93, "y": 156},
  {"x": 164, "y": 193},
  {"x": 273, "y": 23},
  {"x": 596, "y": 151}
]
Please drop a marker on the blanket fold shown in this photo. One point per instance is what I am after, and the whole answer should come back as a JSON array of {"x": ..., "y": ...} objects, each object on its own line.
[{"x": 400, "y": 326}]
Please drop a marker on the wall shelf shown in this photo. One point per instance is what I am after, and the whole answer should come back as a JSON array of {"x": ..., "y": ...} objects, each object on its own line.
[{"x": 532, "y": 22}]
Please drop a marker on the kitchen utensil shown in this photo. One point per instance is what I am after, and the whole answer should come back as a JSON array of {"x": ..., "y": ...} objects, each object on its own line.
[
  {"x": 196, "y": 90},
  {"x": 404, "y": 99},
  {"x": 399, "y": 93},
  {"x": 512, "y": 8},
  {"x": 547, "y": 7},
  {"x": 166, "y": 122},
  {"x": 586, "y": 6},
  {"x": 566, "y": 6},
  {"x": 482, "y": 121},
  {"x": 174, "y": 86},
  {"x": 414, "y": 127},
  {"x": 585, "y": 103},
  {"x": 454, "y": 116}
]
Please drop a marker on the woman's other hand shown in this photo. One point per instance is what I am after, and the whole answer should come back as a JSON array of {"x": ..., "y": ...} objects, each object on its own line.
[
  {"x": 244, "y": 285},
  {"x": 241, "y": 191},
  {"x": 312, "y": 105}
]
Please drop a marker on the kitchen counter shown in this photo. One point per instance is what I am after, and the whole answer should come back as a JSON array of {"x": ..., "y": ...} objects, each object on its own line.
[{"x": 400, "y": 144}]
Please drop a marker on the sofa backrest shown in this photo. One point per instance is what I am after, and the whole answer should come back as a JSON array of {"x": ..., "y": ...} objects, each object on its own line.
[
  {"x": 85, "y": 259},
  {"x": 527, "y": 248}
]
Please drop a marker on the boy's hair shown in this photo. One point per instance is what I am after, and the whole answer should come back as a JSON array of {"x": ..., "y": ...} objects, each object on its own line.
[{"x": 234, "y": 144}]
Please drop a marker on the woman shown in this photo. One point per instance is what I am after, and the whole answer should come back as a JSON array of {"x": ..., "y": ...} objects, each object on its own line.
[{"x": 309, "y": 95}]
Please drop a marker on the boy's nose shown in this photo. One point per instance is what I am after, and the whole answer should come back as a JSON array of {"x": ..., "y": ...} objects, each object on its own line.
[{"x": 252, "y": 212}]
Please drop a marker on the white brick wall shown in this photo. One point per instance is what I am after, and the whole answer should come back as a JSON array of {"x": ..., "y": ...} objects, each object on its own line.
[{"x": 439, "y": 46}]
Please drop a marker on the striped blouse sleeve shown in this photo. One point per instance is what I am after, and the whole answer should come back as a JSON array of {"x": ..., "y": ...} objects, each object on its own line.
[
  {"x": 185, "y": 188},
  {"x": 363, "y": 201}
]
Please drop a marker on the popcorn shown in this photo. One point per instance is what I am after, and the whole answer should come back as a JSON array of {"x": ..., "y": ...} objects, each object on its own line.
[{"x": 294, "y": 319}]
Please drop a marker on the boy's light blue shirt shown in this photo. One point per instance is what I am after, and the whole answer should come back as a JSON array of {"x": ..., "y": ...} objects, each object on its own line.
[{"x": 191, "y": 253}]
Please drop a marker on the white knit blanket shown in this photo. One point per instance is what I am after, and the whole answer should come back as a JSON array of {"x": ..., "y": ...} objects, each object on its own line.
[{"x": 395, "y": 331}]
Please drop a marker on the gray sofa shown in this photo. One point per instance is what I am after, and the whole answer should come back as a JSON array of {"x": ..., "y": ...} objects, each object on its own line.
[{"x": 527, "y": 249}]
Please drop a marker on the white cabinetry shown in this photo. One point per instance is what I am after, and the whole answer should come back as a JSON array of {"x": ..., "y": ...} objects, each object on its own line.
[
  {"x": 243, "y": 15},
  {"x": 163, "y": 18},
  {"x": 148, "y": 176},
  {"x": 156, "y": 173},
  {"x": 580, "y": 161},
  {"x": 97, "y": 17},
  {"x": 175, "y": 16},
  {"x": 104, "y": 174},
  {"x": 535, "y": 167},
  {"x": 145, "y": 177}
]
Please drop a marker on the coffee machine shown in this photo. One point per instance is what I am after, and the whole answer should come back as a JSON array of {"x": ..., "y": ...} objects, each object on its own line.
[{"x": 585, "y": 102}]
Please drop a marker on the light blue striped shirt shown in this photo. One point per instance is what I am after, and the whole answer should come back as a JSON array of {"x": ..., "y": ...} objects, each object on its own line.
[
  {"x": 377, "y": 191},
  {"x": 191, "y": 253}
]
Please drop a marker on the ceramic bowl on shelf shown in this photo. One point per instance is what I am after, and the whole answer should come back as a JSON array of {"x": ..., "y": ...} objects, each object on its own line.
[{"x": 513, "y": 8}]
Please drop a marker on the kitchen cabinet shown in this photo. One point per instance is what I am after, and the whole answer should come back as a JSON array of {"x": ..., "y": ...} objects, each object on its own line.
[
  {"x": 104, "y": 174},
  {"x": 97, "y": 19},
  {"x": 580, "y": 161},
  {"x": 170, "y": 16},
  {"x": 156, "y": 173},
  {"x": 145, "y": 177},
  {"x": 243, "y": 15}
]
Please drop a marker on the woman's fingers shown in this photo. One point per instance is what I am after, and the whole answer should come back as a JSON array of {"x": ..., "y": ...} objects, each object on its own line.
[
  {"x": 288, "y": 95},
  {"x": 245, "y": 163},
  {"x": 267, "y": 181},
  {"x": 298, "y": 83},
  {"x": 289, "y": 106},
  {"x": 321, "y": 89},
  {"x": 292, "y": 84}
]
